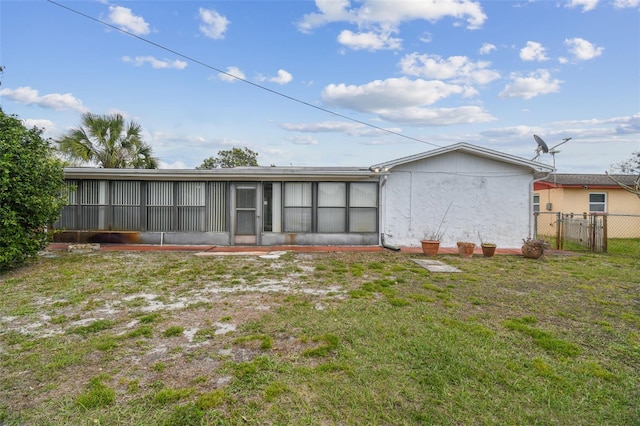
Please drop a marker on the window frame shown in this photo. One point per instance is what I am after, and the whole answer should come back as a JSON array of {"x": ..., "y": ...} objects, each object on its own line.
[{"x": 600, "y": 203}]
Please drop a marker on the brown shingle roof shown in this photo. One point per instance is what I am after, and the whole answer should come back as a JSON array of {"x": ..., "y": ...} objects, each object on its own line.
[{"x": 568, "y": 179}]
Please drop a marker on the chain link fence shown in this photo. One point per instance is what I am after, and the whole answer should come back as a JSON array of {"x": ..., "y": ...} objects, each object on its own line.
[{"x": 593, "y": 232}]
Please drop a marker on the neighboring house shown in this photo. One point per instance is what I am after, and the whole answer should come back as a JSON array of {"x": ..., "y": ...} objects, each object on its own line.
[
  {"x": 584, "y": 194},
  {"x": 485, "y": 194}
]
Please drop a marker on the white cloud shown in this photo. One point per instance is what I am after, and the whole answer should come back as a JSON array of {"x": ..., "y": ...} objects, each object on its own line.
[
  {"x": 586, "y": 5},
  {"x": 176, "y": 165},
  {"x": 623, "y": 4},
  {"x": 283, "y": 77},
  {"x": 47, "y": 126},
  {"x": 369, "y": 40},
  {"x": 532, "y": 85},
  {"x": 392, "y": 13},
  {"x": 437, "y": 116},
  {"x": 155, "y": 63},
  {"x": 533, "y": 51},
  {"x": 487, "y": 48},
  {"x": 55, "y": 101},
  {"x": 581, "y": 49},
  {"x": 455, "y": 68},
  {"x": 303, "y": 140},
  {"x": 390, "y": 93},
  {"x": 350, "y": 128},
  {"x": 232, "y": 72},
  {"x": 125, "y": 19},
  {"x": 213, "y": 24}
]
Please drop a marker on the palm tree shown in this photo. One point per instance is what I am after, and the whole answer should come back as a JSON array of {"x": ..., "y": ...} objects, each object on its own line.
[{"x": 109, "y": 142}]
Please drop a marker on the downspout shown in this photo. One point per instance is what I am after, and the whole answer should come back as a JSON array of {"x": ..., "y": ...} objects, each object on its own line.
[{"x": 383, "y": 181}]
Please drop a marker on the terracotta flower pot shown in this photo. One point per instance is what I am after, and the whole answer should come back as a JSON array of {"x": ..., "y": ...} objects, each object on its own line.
[
  {"x": 488, "y": 250},
  {"x": 430, "y": 247},
  {"x": 466, "y": 249}
]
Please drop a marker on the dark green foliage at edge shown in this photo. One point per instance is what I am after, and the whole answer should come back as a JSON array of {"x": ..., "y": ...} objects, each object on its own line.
[{"x": 31, "y": 182}]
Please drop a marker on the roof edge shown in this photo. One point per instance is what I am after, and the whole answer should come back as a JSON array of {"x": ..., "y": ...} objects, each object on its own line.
[{"x": 471, "y": 149}]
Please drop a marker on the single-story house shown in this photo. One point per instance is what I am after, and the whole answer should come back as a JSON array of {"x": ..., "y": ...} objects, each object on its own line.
[
  {"x": 579, "y": 195},
  {"x": 465, "y": 191},
  {"x": 586, "y": 193}
]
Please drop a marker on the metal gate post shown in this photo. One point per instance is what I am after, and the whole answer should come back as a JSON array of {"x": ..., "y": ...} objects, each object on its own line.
[
  {"x": 558, "y": 231},
  {"x": 605, "y": 238}
]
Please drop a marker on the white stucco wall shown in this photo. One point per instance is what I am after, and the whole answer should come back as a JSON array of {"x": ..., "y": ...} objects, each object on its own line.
[{"x": 483, "y": 197}]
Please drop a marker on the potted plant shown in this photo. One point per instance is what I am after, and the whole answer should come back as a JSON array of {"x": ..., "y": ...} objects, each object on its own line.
[
  {"x": 465, "y": 249},
  {"x": 533, "y": 249},
  {"x": 488, "y": 249},
  {"x": 430, "y": 244},
  {"x": 431, "y": 241}
]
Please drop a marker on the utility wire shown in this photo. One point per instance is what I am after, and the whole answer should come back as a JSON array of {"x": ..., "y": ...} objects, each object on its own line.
[{"x": 275, "y": 92}]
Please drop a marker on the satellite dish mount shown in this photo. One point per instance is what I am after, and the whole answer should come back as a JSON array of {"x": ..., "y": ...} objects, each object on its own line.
[{"x": 544, "y": 148}]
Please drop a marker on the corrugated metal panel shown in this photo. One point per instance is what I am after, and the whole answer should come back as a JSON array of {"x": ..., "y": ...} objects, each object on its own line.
[
  {"x": 190, "y": 193},
  {"x": 93, "y": 218},
  {"x": 191, "y": 218},
  {"x": 70, "y": 189},
  {"x": 217, "y": 194},
  {"x": 68, "y": 219},
  {"x": 125, "y": 198},
  {"x": 160, "y": 193},
  {"x": 160, "y": 218},
  {"x": 125, "y": 193}
]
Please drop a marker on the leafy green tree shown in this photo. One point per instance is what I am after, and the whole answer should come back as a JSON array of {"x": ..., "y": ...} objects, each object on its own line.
[
  {"x": 109, "y": 142},
  {"x": 234, "y": 157},
  {"x": 31, "y": 188}
]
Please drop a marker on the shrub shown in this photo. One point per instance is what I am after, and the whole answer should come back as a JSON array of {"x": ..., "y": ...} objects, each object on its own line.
[{"x": 31, "y": 188}]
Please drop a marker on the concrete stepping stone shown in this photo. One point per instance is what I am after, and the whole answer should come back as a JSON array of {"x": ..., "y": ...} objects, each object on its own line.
[{"x": 435, "y": 265}]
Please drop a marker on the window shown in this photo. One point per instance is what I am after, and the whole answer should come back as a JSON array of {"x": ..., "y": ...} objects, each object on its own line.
[
  {"x": 536, "y": 202},
  {"x": 332, "y": 207},
  {"x": 597, "y": 202},
  {"x": 297, "y": 207},
  {"x": 363, "y": 207}
]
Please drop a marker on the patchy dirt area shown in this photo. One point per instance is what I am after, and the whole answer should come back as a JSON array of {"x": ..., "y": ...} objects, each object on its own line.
[{"x": 142, "y": 319}]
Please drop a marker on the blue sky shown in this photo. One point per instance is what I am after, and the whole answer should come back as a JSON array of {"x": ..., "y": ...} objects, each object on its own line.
[{"x": 334, "y": 82}]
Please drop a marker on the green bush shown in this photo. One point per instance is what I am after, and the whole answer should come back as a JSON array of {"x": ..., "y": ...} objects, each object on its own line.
[{"x": 31, "y": 188}]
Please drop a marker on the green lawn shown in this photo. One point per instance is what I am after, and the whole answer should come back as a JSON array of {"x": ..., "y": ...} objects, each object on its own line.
[{"x": 131, "y": 338}]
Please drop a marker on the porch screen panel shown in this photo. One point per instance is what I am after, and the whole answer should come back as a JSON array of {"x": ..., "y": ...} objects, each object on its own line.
[
  {"x": 332, "y": 207},
  {"x": 93, "y": 197},
  {"x": 217, "y": 215},
  {"x": 69, "y": 213},
  {"x": 191, "y": 206},
  {"x": 160, "y": 206},
  {"x": 297, "y": 207},
  {"x": 125, "y": 201},
  {"x": 363, "y": 207}
]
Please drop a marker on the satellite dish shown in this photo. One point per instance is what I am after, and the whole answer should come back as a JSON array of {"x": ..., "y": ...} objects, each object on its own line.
[{"x": 542, "y": 145}]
